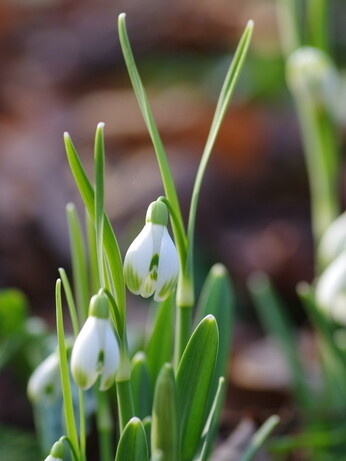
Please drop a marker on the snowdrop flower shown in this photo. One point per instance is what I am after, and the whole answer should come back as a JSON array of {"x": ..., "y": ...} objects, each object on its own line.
[
  {"x": 95, "y": 351},
  {"x": 331, "y": 290},
  {"x": 151, "y": 263},
  {"x": 56, "y": 452},
  {"x": 44, "y": 383},
  {"x": 312, "y": 74}
]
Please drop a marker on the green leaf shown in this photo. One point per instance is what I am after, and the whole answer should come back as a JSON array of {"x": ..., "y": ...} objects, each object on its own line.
[
  {"x": 275, "y": 320},
  {"x": 147, "y": 427},
  {"x": 13, "y": 311},
  {"x": 220, "y": 111},
  {"x": 212, "y": 421},
  {"x": 65, "y": 378},
  {"x": 132, "y": 444},
  {"x": 164, "y": 426},
  {"x": 70, "y": 301},
  {"x": 99, "y": 161},
  {"x": 217, "y": 298},
  {"x": 141, "y": 385},
  {"x": 260, "y": 437},
  {"x": 79, "y": 262},
  {"x": 194, "y": 378},
  {"x": 159, "y": 347},
  {"x": 110, "y": 243}
]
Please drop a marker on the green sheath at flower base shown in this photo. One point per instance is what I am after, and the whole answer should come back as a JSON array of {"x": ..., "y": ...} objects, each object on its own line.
[
  {"x": 98, "y": 306},
  {"x": 57, "y": 452}
]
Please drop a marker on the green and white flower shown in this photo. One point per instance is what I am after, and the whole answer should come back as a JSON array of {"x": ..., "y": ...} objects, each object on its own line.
[
  {"x": 44, "y": 383},
  {"x": 95, "y": 351},
  {"x": 151, "y": 263}
]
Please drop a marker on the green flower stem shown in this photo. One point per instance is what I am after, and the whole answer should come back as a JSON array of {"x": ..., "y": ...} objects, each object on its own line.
[
  {"x": 123, "y": 385},
  {"x": 322, "y": 160},
  {"x": 82, "y": 431},
  {"x": 65, "y": 438},
  {"x": 104, "y": 426},
  {"x": 138, "y": 88},
  {"x": 183, "y": 331},
  {"x": 65, "y": 380},
  {"x": 92, "y": 251},
  {"x": 317, "y": 15},
  {"x": 288, "y": 14}
]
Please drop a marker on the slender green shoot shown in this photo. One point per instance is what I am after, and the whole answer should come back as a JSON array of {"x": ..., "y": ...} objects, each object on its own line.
[
  {"x": 221, "y": 108},
  {"x": 317, "y": 18},
  {"x": 92, "y": 252},
  {"x": 65, "y": 379},
  {"x": 99, "y": 155},
  {"x": 105, "y": 426},
  {"x": 260, "y": 437},
  {"x": 70, "y": 301},
  {"x": 79, "y": 263}
]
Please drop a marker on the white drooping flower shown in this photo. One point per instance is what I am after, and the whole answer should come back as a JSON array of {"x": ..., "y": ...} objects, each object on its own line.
[
  {"x": 95, "y": 351},
  {"x": 151, "y": 263},
  {"x": 331, "y": 290},
  {"x": 333, "y": 241},
  {"x": 44, "y": 383},
  {"x": 56, "y": 453}
]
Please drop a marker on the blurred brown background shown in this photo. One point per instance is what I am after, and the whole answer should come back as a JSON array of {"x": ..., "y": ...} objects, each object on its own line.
[{"x": 62, "y": 70}]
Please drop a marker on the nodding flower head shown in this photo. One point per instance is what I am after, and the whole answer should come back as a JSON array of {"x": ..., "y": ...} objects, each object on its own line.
[
  {"x": 44, "y": 383},
  {"x": 95, "y": 351},
  {"x": 151, "y": 263}
]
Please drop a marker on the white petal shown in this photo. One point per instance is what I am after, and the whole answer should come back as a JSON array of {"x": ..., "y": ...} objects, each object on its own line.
[
  {"x": 168, "y": 269},
  {"x": 111, "y": 359},
  {"x": 52, "y": 458},
  {"x": 331, "y": 290},
  {"x": 137, "y": 260},
  {"x": 86, "y": 351},
  {"x": 45, "y": 380}
]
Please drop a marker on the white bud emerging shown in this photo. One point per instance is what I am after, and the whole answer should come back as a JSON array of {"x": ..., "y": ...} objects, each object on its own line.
[
  {"x": 151, "y": 263},
  {"x": 331, "y": 290},
  {"x": 311, "y": 74},
  {"x": 44, "y": 383},
  {"x": 95, "y": 351}
]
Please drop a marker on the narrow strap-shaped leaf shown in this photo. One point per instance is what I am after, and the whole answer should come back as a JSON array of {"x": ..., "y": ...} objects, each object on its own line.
[
  {"x": 166, "y": 174},
  {"x": 99, "y": 161},
  {"x": 211, "y": 424},
  {"x": 110, "y": 243},
  {"x": 275, "y": 320},
  {"x": 194, "y": 377},
  {"x": 159, "y": 347},
  {"x": 65, "y": 379},
  {"x": 147, "y": 427},
  {"x": 79, "y": 262},
  {"x": 221, "y": 108},
  {"x": 70, "y": 301},
  {"x": 132, "y": 444},
  {"x": 92, "y": 252},
  {"x": 141, "y": 385},
  {"x": 164, "y": 426},
  {"x": 217, "y": 298},
  {"x": 260, "y": 437}
]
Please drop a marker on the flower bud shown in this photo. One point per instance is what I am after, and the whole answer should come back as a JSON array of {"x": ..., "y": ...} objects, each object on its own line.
[
  {"x": 95, "y": 351},
  {"x": 44, "y": 383},
  {"x": 151, "y": 263}
]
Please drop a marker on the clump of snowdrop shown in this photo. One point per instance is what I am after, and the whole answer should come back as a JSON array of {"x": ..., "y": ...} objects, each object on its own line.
[
  {"x": 95, "y": 351},
  {"x": 151, "y": 263}
]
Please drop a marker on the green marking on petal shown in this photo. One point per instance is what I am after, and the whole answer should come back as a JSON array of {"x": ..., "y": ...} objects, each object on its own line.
[
  {"x": 80, "y": 378},
  {"x": 154, "y": 262},
  {"x": 167, "y": 288},
  {"x": 132, "y": 279},
  {"x": 153, "y": 275}
]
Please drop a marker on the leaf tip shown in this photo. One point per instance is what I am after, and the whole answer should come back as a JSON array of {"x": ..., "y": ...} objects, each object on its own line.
[{"x": 219, "y": 270}]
